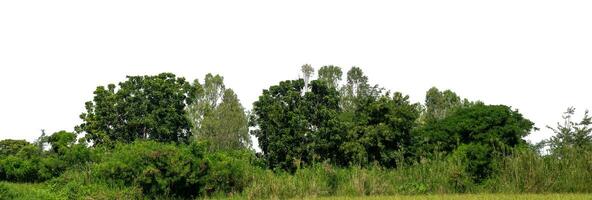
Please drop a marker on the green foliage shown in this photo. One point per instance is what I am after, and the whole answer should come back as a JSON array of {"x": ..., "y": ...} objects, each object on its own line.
[
  {"x": 226, "y": 127},
  {"x": 217, "y": 116},
  {"x": 11, "y": 147},
  {"x": 318, "y": 139},
  {"x": 570, "y": 135},
  {"x": 228, "y": 172},
  {"x": 281, "y": 115},
  {"x": 157, "y": 168},
  {"x": 528, "y": 172},
  {"x": 31, "y": 164},
  {"x": 149, "y": 107},
  {"x": 477, "y": 135},
  {"x": 295, "y": 128},
  {"x": 496, "y": 126},
  {"x": 380, "y": 131},
  {"x": 331, "y": 75},
  {"x": 439, "y": 104}
]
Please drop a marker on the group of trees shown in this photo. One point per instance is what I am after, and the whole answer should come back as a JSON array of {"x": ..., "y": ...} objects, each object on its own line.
[
  {"x": 166, "y": 108},
  {"x": 360, "y": 124},
  {"x": 162, "y": 132}
]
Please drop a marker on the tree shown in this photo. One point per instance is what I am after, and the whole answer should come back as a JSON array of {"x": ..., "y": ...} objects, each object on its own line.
[
  {"x": 217, "y": 115},
  {"x": 439, "y": 104},
  {"x": 325, "y": 131},
  {"x": 330, "y": 75},
  {"x": 12, "y": 147},
  {"x": 209, "y": 96},
  {"x": 226, "y": 127},
  {"x": 356, "y": 90},
  {"x": 307, "y": 72},
  {"x": 60, "y": 141},
  {"x": 143, "y": 107},
  {"x": 381, "y": 131},
  {"x": 281, "y": 117},
  {"x": 493, "y": 131},
  {"x": 571, "y": 135}
]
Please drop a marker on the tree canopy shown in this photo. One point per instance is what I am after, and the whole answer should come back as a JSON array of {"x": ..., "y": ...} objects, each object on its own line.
[{"x": 145, "y": 107}]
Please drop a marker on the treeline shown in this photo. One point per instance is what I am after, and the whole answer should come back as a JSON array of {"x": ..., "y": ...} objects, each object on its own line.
[{"x": 336, "y": 134}]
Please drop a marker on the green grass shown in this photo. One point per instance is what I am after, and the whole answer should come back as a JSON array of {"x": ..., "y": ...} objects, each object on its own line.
[
  {"x": 26, "y": 191},
  {"x": 20, "y": 191},
  {"x": 472, "y": 197}
]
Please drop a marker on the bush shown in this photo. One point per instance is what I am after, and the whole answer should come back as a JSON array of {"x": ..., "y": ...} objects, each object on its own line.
[
  {"x": 229, "y": 172},
  {"x": 474, "y": 159},
  {"x": 5, "y": 192},
  {"x": 156, "y": 168}
]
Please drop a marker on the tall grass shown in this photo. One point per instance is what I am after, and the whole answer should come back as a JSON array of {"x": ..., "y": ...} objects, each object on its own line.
[
  {"x": 527, "y": 172},
  {"x": 325, "y": 180},
  {"x": 524, "y": 172}
]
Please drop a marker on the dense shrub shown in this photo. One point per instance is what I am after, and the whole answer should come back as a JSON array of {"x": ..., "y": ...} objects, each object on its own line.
[
  {"x": 176, "y": 170},
  {"x": 157, "y": 168},
  {"x": 229, "y": 172}
]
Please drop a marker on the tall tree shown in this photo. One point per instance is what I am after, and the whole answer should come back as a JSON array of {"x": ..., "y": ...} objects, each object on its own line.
[
  {"x": 280, "y": 114},
  {"x": 209, "y": 96},
  {"x": 226, "y": 127},
  {"x": 381, "y": 130},
  {"x": 478, "y": 134},
  {"x": 307, "y": 73},
  {"x": 356, "y": 88},
  {"x": 438, "y": 104},
  {"x": 217, "y": 115},
  {"x": 147, "y": 107},
  {"x": 571, "y": 135},
  {"x": 330, "y": 75},
  {"x": 11, "y": 147}
]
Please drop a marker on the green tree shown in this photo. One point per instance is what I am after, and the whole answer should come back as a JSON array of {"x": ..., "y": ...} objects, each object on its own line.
[
  {"x": 438, "y": 104},
  {"x": 147, "y": 107},
  {"x": 226, "y": 127},
  {"x": 493, "y": 131},
  {"x": 11, "y": 147},
  {"x": 217, "y": 115},
  {"x": 280, "y": 115},
  {"x": 325, "y": 131},
  {"x": 61, "y": 140},
  {"x": 330, "y": 75},
  {"x": 381, "y": 131},
  {"x": 307, "y": 73},
  {"x": 571, "y": 135},
  {"x": 357, "y": 90},
  {"x": 209, "y": 96}
]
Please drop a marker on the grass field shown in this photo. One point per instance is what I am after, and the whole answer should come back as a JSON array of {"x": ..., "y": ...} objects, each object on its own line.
[
  {"x": 40, "y": 191},
  {"x": 472, "y": 197},
  {"x": 26, "y": 191}
]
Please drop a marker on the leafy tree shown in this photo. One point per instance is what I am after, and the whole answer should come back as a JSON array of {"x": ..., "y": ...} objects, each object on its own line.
[
  {"x": 60, "y": 141},
  {"x": 357, "y": 90},
  {"x": 381, "y": 131},
  {"x": 217, "y": 115},
  {"x": 157, "y": 168},
  {"x": 439, "y": 104},
  {"x": 493, "y": 129},
  {"x": 146, "y": 107},
  {"x": 495, "y": 125},
  {"x": 307, "y": 72},
  {"x": 281, "y": 117},
  {"x": 571, "y": 135},
  {"x": 209, "y": 95},
  {"x": 330, "y": 75},
  {"x": 226, "y": 127},
  {"x": 325, "y": 131},
  {"x": 11, "y": 147}
]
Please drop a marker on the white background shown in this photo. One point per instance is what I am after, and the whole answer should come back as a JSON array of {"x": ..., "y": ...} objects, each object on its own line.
[{"x": 532, "y": 55}]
